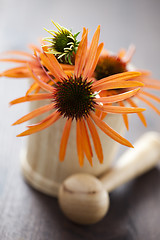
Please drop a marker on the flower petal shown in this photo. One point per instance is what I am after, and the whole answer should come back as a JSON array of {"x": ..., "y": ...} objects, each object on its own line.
[
  {"x": 91, "y": 53},
  {"x": 60, "y": 74},
  {"x": 64, "y": 139},
  {"x": 67, "y": 67},
  {"x": 81, "y": 54},
  {"x": 149, "y": 104},
  {"x": 121, "y": 53},
  {"x": 140, "y": 114},
  {"x": 79, "y": 144},
  {"x": 117, "y": 97},
  {"x": 19, "y": 72},
  {"x": 109, "y": 131},
  {"x": 125, "y": 116},
  {"x": 42, "y": 84},
  {"x": 19, "y": 53},
  {"x": 118, "y": 109},
  {"x": 35, "y": 113},
  {"x": 157, "y": 99},
  {"x": 13, "y": 60},
  {"x": 115, "y": 85},
  {"x": 33, "y": 87},
  {"x": 129, "y": 54},
  {"x": 42, "y": 125},
  {"x": 99, "y": 49},
  {"x": 34, "y": 97},
  {"x": 117, "y": 77},
  {"x": 34, "y": 48},
  {"x": 86, "y": 142},
  {"x": 96, "y": 139}
]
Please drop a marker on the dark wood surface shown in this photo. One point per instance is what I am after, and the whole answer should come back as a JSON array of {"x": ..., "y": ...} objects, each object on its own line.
[{"x": 26, "y": 214}]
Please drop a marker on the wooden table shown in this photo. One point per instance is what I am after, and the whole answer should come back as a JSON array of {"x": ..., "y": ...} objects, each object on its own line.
[{"x": 26, "y": 214}]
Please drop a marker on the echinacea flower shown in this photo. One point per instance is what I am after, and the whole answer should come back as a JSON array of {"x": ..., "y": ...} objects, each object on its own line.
[
  {"x": 75, "y": 98},
  {"x": 63, "y": 44},
  {"x": 110, "y": 64}
]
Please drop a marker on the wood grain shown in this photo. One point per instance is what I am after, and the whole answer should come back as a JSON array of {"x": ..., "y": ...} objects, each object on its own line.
[{"x": 26, "y": 214}]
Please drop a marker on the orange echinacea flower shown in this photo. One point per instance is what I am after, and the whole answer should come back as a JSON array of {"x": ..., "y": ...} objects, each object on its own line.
[
  {"x": 109, "y": 64},
  {"x": 75, "y": 97}
]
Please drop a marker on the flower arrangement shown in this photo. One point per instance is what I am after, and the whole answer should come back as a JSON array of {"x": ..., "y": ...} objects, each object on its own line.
[{"x": 83, "y": 84}]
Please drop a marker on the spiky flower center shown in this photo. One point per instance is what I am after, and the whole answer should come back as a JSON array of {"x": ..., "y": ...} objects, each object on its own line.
[
  {"x": 74, "y": 98},
  {"x": 109, "y": 65},
  {"x": 62, "y": 41}
]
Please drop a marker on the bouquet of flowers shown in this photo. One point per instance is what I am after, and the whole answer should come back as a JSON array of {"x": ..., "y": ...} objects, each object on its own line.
[{"x": 83, "y": 83}]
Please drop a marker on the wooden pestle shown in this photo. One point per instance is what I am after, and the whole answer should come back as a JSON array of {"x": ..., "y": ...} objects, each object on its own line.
[{"x": 84, "y": 198}]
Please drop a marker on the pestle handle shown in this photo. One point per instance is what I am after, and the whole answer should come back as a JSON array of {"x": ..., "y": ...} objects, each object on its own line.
[
  {"x": 134, "y": 162},
  {"x": 84, "y": 199}
]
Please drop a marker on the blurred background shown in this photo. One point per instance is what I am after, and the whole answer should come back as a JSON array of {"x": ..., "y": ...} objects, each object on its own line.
[{"x": 123, "y": 22}]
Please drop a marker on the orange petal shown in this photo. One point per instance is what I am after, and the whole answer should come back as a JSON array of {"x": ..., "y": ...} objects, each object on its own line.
[
  {"x": 64, "y": 139},
  {"x": 19, "y": 72},
  {"x": 117, "y": 109},
  {"x": 37, "y": 90},
  {"x": 150, "y": 96},
  {"x": 121, "y": 76},
  {"x": 81, "y": 54},
  {"x": 84, "y": 32},
  {"x": 57, "y": 67},
  {"x": 85, "y": 141},
  {"x": 149, "y": 104},
  {"x": 140, "y": 115},
  {"x": 42, "y": 125},
  {"x": 38, "y": 71},
  {"x": 13, "y": 60},
  {"x": 35, "y": 113},
  {"x": 118, "y": 77},
  {"x": 99, "y": 49},
  {"x": 96, "y": 139},
  {"x": 79, "y": 144},
  {"x": 46, "y": 62},
  {"x": 114, "y": 85},
  {"x": 91, "y": 53},
  {"x": 145, "y": 73},
  {"x": 150, "y": 82},
  {"x": 125, "y": 116},
  {"x": 34, "y": 97},
  {"x": 67, "y": 67},
  {"x": 19, "y": 53},
  {"x": 45, "y": 75},
  {"x": 32, "y": 88},
  {"x": 129, "y": 54},
  {"x": 109, "y": 131},
  {"x": 42, "y": 84},
  {"x": 152, "y": 86},
  {"x": 103, "y": 115},
  {"x": 35, "y": 87},
  {"x": 98, "y": 112},
  {"x": 117, "y": 97},
  {"x": 34, "y": 48},
  {"x": 42, "y": 121},
  {"x": 121, "y": 53}
]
